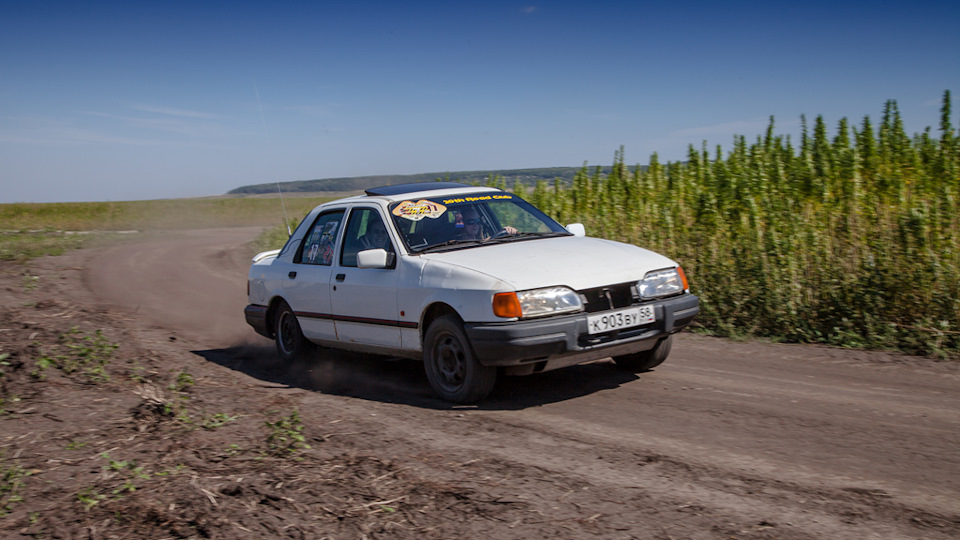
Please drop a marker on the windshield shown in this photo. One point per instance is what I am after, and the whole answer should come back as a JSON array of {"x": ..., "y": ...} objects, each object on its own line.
[{"x": 458, "y": 222}]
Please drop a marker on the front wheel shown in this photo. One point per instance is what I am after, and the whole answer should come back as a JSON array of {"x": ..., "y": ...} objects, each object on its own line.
[
  {"x": 291, "y": 343},
  {"x": 452, "y": 368},
  {"x": 646, "y": 360}
]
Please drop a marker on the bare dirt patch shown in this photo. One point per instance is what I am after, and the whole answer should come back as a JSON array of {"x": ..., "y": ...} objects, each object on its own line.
[{"x": 192, "y": 428}]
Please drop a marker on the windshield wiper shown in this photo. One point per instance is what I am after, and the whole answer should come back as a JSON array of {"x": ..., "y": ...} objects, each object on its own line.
[
  {"x": 495, "y": 239},
  {"x": 504, "y": 237},
  {"x": 448, "y": 243}
]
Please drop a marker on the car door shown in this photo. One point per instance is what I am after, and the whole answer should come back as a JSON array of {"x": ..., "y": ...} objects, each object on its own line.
[
  {"x": 364, "y": 300},
  {"x": 307, "y": 283}
]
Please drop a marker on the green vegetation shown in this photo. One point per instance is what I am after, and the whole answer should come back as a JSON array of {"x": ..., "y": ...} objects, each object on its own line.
[
  {"x": 19, "y": 246},
  {"x": 118, "y": 479},
  {"x": 89, "y": 497},
  {"x": 286, "y": 437},
  {"x": 29, "y": 230},
  {"x": 11, "y": 482},
  {"x": 81, "y": 354},
  {"x": 182, "y": 382},
  {"x": 852, "y": 240},
  {"x": 75, "y": 445},
  {"x": 30, "y": 283},
  {"x": 5, "y": 398},
  {"x": 151, "y": 215},
  {"x": 275, "y": 237}
]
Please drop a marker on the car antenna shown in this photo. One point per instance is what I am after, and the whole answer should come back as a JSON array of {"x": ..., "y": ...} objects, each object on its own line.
[{"x": 266, "y": 135}]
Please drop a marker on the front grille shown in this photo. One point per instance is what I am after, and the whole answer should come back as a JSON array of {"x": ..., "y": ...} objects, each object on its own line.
[{"x": 608, "y": 297}]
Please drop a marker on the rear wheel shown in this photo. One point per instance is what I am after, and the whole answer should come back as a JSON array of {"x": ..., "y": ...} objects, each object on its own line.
[
  {"x": 452, "y": 368},
  {"x": 646, "y": 360},
  {"x": 291, "y": 344}
]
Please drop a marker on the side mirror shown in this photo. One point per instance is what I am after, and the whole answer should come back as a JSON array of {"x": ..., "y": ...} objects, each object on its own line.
[
  {"x": 373, "y": 258},
  {"x": 577, "y": 229}
]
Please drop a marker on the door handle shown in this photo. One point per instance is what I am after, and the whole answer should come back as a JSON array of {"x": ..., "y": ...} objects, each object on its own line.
[
  {"x": 292, "y": 275},
  {"x": 341, "y": 277}
]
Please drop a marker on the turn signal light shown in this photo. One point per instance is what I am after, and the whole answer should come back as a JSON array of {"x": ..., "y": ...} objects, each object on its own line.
[
  {"x": 683, "y": 278},
  {"x": 506, "y": 305}
]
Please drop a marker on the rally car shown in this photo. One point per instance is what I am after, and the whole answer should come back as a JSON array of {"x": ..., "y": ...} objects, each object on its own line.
[{"x": 474, "y": 281}]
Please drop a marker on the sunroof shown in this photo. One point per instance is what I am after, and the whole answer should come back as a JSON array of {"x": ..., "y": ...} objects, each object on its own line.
[{"x": 400, "y": 189}]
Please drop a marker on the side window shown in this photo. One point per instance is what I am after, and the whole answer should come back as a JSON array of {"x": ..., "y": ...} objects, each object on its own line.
[
  {"x": 365, "y": 230},
  {"x": 318, "y": 245},
  {"x": 294, "y": 239}
]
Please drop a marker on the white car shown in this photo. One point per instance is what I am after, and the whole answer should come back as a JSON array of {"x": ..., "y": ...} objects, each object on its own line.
[{"x": 472, "y": 280}]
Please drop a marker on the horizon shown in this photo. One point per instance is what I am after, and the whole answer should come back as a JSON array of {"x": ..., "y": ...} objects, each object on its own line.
[{"x": 109, "y": 101}]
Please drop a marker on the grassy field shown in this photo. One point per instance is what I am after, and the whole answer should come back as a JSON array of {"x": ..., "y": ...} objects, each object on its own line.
[
  {"x": 33, "y": 229},
  {"x": 152, "y": 215}
]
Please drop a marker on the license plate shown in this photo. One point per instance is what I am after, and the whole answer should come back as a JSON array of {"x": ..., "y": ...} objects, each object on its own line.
[{"x": 625, "y": 318}]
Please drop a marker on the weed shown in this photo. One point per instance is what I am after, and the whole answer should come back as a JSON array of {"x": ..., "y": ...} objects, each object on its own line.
[
  {"x": 4, "y": 401},
  {"x": 128, "y": 471},
  {"x": 11, "y": 482},
  {"x": 83, "y": 354},
  {"x": 136, "y": 372},
  {"x": 233, "y": 449},
  {"x": 90, "y": 497},
  {"x": 75, "y": 445},
  {"x": 167, "y": 472},
  {"x": 183, "y": 382},
  {"x": 4, "y": 397},
  {"x": 215, "y": 421},
  {"x": 286, "y": 437},
  {"x": 30, "y": 283},
  {"x": 39, "y": 370}
]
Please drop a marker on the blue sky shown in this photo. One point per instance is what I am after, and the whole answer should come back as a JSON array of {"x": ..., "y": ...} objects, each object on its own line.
[{"x": 146, "y": 100}]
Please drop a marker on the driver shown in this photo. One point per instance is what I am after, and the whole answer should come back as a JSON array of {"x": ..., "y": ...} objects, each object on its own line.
[
  {"x": 376, "y": 237},
  {"x": 472, "y": 229}
]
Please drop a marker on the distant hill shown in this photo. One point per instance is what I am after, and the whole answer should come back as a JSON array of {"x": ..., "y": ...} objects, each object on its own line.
[{"x": 527, "y": 177}]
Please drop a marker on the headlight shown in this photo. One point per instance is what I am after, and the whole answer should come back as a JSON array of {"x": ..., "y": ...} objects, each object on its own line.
[
  {"x": 536, "y": 303},
  {"x": 662, "y": 283}
]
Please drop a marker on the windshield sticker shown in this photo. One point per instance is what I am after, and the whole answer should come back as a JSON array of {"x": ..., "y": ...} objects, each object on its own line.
[
  {"x": 459, "y": 200},
  {"x": 415, "y": 211}
]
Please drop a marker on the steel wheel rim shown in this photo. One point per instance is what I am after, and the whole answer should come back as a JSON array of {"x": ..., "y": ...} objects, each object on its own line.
[
  {"x": 287, "y": 329},
  {"x": 450, "y": 361}
]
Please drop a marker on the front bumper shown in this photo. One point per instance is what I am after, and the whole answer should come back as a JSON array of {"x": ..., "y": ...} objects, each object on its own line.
[{"x": 561, "y": 341}]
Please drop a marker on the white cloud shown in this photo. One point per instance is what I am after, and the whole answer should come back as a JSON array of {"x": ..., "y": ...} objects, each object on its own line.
[
  {"x": 170, "y": 111},
  {"x": 179, "y": 122}
]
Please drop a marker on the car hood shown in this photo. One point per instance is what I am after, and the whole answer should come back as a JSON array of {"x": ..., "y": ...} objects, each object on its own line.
[{"x": 576, "y": 262}]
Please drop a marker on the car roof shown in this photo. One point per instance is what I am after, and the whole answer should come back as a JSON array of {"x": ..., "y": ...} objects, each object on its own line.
[
  {"x": 426, "y": 189},
  {"x": 399, "y": 189}
]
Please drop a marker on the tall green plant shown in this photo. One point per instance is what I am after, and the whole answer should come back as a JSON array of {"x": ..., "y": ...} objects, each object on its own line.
[{"x": 851, "y": 240}]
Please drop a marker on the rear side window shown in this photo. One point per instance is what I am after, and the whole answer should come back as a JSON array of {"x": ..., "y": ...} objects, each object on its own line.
[{"x": 319, "y": 244}]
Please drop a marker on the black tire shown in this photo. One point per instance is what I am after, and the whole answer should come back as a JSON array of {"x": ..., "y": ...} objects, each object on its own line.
[
  {"x": 451, "y": 366},
  {"x": 646, "y": 360},
  {"x": 291, "y": 344}
]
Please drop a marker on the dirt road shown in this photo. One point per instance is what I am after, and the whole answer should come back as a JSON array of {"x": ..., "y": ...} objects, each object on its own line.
[{"x": 724, "y": 440}]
